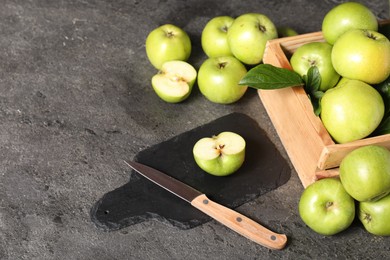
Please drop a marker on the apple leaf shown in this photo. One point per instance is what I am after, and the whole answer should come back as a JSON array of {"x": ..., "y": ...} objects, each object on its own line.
[
  {"x": 266, "y": 76},
  {"x": 312, "y": 80},
  {"x": 312, "y": 84}
]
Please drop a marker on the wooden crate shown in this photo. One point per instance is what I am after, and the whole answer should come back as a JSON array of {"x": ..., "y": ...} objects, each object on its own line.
[{"x": 312, "y": 151}]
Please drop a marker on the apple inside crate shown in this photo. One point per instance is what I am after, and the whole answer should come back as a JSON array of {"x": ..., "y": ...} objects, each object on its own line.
[{"x": 309, "y": 146}]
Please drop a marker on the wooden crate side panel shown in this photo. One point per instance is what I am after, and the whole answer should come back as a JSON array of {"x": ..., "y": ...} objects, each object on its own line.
[
  {"x": 316, "y": 122},
  {"x": 289, "y": 110},
  {"x": 332, "y": 155},
  {"x": 275, "y": 55},
  {"x": 302, "y": 143}
]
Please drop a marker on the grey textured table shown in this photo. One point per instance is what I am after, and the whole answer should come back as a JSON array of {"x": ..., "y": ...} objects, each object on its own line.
[{"x": 75, "y": 100}]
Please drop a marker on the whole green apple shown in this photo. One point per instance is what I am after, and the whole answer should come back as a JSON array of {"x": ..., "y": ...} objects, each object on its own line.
[
  {"x": 220, "y": 155},
  {"x": 214, "y": 37},
  {"x": 167, "y": 42},
  {"x": 365, "y": 173},
  {"x": 248, "y": 35},
  {"x": 326, "y": 207},
  {"x": 363, "y": 55},
  {"x": 347, "y": 16},
  {"x": 351, "y": 111},
  {"x": 218, "y": 79},
  {"x": 375, "y": 216},
  {"x": 174, "y": 82},
  {"x": 316, "y": 54}
]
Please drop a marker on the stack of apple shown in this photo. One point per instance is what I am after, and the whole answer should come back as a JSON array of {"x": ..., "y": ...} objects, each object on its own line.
[
  {"x": 353, "y": 59},
  {"x": 229, "y": 43},
  {"x": 328, "y": 205}
]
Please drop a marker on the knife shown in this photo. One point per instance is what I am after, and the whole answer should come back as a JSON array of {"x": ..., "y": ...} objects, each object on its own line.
[{"x": 228, "y": 217}]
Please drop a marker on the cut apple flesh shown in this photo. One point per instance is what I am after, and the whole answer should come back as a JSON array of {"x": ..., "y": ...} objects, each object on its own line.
[
  {"x": 224, "y": 143},
  {"x": 174, "y": 80},
  {"x": 171, "y": 86},
  {"x": 230, "y": 143},
  {"x": 205, "y": 148},
  {"x": 179, "y": 69}
]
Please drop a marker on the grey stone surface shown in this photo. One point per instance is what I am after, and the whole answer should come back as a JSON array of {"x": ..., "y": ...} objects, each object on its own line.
[{"x": 76, "y": 100}]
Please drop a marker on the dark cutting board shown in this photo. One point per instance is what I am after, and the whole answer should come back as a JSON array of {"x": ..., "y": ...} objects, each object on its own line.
[{"x": 264, "y": 169}]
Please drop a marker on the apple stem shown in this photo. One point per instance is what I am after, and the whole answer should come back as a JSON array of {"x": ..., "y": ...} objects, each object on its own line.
[
  {"x": 222, "y": 65},
  {"x": 170, "y": 34},
  {"x": 224, "y": 29},
  {"x": 312, "y": 62},
  {"x": 262, "y": 28},
  {"x": 328, "y": 204},
  {"x": 370, "y": 35},
  {"x": 367, "y": 217}
]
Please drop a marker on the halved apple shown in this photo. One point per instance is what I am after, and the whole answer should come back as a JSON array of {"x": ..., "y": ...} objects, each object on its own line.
[
  {"x": 220, "y": 155},
  {"x": 173, "y": 83}
]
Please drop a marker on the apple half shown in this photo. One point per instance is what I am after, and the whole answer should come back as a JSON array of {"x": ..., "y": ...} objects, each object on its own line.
[
  {"x": 220, "y": 155},
  {"x": 173, "y": 83}
]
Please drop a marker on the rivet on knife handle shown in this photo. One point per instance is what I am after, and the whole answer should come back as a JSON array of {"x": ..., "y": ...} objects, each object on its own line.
[{"x": 240, "y": 223}]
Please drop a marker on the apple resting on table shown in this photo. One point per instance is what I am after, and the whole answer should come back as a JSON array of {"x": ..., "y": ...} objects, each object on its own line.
[
  {"x": 220, "y": 155},
  {"x": 174, "y": 81},
  {"x": 218, "y": 79},
  {"x": 326, "y": 207},
  {"x": 214, "y": 36},
  {"x": 167, "y": 42},
  {"x": 248, "y": 35},
  {"x": 375, "y": 216}
]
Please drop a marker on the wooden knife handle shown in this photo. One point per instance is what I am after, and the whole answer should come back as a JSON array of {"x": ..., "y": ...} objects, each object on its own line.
[{"x": 239, "y": 223}]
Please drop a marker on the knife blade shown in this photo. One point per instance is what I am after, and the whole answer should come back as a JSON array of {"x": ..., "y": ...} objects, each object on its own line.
[{"x": 226, "y": 216}]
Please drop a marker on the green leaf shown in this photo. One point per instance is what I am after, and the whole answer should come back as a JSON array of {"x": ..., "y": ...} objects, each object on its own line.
[
  {"x": 266, "y": 76},
  {"x": 316, "y": 105},
  {"x": 312, "y": 80},
  {"x": 312, "y": 85}
]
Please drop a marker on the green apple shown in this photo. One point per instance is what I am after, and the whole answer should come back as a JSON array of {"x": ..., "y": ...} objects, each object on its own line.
[
  {"x": 351, "y": 110},
  {"x": 326, "y": 207},
  {"x": 220, "y": 155},
  {"x": 285, "y": 31},
  {"x": 174, "y": 82},
  {"x": 167, "y": 42},
  {"x": 363, "y": 55},
  {"x": 218, "y": 79},
  {"x": 214, "y": 37},
  {"x": 375, "y": 216},
  {"x": 365, "y": 173},
  {"x": 316, "y": 54},
  {"x": 248, "y": 35},
  {"x": 345, "y": 17}
]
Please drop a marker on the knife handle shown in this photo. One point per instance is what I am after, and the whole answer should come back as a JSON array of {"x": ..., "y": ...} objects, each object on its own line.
[{"x": 240, "y": 223}]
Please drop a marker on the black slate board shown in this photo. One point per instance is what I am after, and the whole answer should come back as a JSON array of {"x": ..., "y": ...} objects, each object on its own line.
[{"x": 264, "y": 169}]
